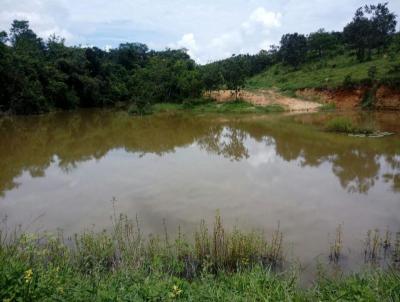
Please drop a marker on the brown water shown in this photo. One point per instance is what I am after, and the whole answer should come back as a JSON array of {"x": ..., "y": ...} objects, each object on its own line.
[{"x": 61, "y": 171}]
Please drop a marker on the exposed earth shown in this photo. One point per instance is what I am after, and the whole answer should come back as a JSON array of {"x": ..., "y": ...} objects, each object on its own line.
[{"x": 266, "y": 97}]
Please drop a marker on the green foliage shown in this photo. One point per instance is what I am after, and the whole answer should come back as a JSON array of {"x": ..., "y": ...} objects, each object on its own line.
[
  {"x": 321, "y": 43},
  {"x": 348, "y": 82},
  {"x": 345, "y": 125},
  {"x": 340, "y": 124},
  {"x": 37, "y": 76},
  {"x": 123, "y": 267},
  {"x": 371, "y": 27},
  {"x": 293, "y": 49}
]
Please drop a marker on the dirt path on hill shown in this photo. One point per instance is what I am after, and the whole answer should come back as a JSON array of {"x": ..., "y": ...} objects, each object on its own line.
[{"x": 266, "y": 97}]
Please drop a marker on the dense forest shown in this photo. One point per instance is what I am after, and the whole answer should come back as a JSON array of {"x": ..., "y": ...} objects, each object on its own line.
[{"x": 38, "y": 76}]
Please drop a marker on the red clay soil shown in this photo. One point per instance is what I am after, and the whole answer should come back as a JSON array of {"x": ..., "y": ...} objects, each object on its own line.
[{"x": 386, "y": 98}]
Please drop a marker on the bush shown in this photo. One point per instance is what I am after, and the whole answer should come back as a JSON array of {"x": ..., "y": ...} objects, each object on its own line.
[
  {"x": 345, "y": 125},
  {"x": 348, "y": 82},
  {"x": 340, "y": 124}
]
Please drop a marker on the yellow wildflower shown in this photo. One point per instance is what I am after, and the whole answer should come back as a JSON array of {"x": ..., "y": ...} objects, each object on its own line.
[
  {"x": 28, "y": 275},
  {"x": 176, "y": 291}
]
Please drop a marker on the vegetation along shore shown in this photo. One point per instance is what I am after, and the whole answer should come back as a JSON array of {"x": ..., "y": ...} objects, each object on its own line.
[
  {"x": 356, "y": 67},
  {"x": 215, "y": 264}
]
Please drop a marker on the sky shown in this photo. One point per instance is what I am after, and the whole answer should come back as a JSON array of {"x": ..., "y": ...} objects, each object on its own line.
[{"x": 208, "y": 29}]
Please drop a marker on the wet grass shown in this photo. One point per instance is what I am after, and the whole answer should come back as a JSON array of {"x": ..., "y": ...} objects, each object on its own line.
[{"x": 217, "y": 265}]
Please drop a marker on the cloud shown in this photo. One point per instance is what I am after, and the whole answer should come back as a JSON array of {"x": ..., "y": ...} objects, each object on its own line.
[
  {"x": 249, "y": 37},
  {"x": 42, "y": 19},
  {"x": 209, "y": 29},
  {"x": 188, "y": 42},
  {"x": 267, "y": 18}
]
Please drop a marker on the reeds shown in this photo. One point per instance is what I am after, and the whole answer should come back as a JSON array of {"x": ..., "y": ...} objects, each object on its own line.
[
  {"x": 380, "y": 250},
  {"x": 336, "y": 246},
  {"x": 125, "y": 246},
  {"x": 224, "y": 250}
]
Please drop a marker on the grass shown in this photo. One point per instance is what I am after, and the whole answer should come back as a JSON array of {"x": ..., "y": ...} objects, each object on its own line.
[
  {"x": 208, "y": 106},
  {"x": 340, "y": 71},
  {"x": 344, "y": 124},
  {"x": 327, "y": 107},
  {"x": 122, "y": 265}
]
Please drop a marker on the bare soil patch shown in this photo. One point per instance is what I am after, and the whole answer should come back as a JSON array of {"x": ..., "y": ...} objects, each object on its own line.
[{"x": 265, "y": 98}]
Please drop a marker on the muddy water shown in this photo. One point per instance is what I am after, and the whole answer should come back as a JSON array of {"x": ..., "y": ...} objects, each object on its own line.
[{"x": 61, "y": 171}]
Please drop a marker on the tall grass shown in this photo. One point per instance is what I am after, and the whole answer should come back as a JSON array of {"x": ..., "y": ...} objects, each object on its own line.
[
  {"x": 344, "y": 124},
  {"x": 220, "y": 264}
]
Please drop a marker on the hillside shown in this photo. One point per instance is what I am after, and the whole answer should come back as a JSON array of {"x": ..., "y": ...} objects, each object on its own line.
[{"x": 340, "y": 79}]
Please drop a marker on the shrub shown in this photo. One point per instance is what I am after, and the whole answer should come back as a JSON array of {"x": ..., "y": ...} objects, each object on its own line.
[
  {"x": 345, "y": 125},
  {"x": 340, "y": 124},
  {"x": 348, "y": 82}
]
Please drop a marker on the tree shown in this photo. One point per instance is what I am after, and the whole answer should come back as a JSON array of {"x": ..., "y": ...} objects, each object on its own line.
[
  {"x": 23, "y": 39},
  {"x": 212, "y": 77},
  {"x": 131, "y": 55},
  {"x": 320, "y": 43},
  {"x": 234, "y": 74},
  {"x": 3, "y": 37},
  {"x": 293, "y": 49},
  {"x": 371, "y": 28}
]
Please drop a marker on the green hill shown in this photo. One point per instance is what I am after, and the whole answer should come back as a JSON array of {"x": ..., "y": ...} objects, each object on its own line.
[{"x": 336, "y": 72}]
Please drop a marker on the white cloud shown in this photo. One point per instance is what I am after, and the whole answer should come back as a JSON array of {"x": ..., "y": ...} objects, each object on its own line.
[
  {"x": 188, "y": 42},
  {"x": 267, "y": 18},
  {"x": 250, "y": 36},
  {"x": 262, "y": 155},
  {"x": 40, "y": 19}
]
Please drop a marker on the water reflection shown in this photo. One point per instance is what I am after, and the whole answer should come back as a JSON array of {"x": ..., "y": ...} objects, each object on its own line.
[{"x": 31, "y": 144}]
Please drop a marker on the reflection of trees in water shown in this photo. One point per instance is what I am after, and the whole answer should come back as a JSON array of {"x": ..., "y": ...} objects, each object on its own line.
[
  {"x": 355, "y": 162},
  {"x": 393, "y": 177},
  {"x": 225, "y": 141},
  {"x": 34, "y": 143},
  {"x": 357, "y": 170}
]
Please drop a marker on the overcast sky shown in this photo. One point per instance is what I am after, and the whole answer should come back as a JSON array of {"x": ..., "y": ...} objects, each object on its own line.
[{"x": 209, "y": 29}]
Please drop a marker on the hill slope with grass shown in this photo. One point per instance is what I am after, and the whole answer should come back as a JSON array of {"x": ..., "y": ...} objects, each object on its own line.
[{"x": 340, "y": 79}]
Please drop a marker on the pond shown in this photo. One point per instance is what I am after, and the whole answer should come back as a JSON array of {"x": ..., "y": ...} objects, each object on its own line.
[{"x": 62, "y": 170}]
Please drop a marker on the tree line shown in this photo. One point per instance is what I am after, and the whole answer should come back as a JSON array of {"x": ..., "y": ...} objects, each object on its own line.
[
  {"x": 372, "y": 30},
  {"x": 37, "y": 76}
]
